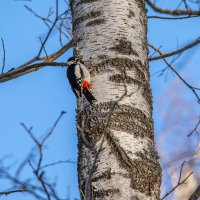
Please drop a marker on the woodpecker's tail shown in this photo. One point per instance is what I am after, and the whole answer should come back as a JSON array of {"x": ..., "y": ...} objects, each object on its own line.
[{"x": 88, "y": 95}]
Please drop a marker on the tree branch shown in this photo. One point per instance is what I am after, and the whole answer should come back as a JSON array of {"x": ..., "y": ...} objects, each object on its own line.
[
  {"x": 4, "y": 55},
  {"x": 25, "y": 69},
  {"x": 172, "y": 18},
  {"x": 171, "y": 12},
  {"x": 12, "y": 191},
  {"x": 179, "y": 181},
  {"x": 196, "y": 42},
  {"x": 192, "y": 88},
  {"x": 14, "y": 73},
  {"x": 195, "y": 129}
]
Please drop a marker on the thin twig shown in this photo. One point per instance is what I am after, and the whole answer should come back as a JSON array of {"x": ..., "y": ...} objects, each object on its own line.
[
  {"x": 193, "y": 89},
  {"x": 194, "y": 43},
  {"x": 58, "y": 162},
  {"x": 12, "y": 191},
  {"x": 186, "y": 6},
  {"x": 176, "y": 186},
  {"x": 43, "y": 47},
  {"x": 46, "y": 38},
  {"x": 195, "y": 129},
  {"x": 172, "y": 18},
  {"x": 26, "y": 68},
  {"x": 172, "y": 12},
  {"x": 47, "y": 19},
  {"x": 179, "y": 181},
  {"x": 4, "y": 55},
  {"x": 53, "y": 127}
]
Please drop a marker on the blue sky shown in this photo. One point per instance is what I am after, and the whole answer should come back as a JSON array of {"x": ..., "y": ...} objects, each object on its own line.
[{"x": 38, "y": 98}]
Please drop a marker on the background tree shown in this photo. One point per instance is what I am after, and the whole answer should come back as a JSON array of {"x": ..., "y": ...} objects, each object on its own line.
[{"x": 80, "y": 51}]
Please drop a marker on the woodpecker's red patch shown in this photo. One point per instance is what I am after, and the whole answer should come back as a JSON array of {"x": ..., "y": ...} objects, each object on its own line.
[{"x": 86, "y": 84}]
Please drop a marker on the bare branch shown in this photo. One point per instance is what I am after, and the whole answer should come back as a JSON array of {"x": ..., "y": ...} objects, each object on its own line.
[
  {"x": 29, "y": 131},
  {"x": 25, "y": 69},
  {"x": 172, "y": 190},
  {"x": 60, "y": 52},
  {"x": 172, "y": 18},
  {"x": 58, "y": 162},
  {"x": 38, "y": 16},
  {"x": 172, "y": 12},
  {"x": 53, "y": 127},
  {"x": 186, "y": 6},
  {"x": 195, "y": 129},
  {"x": 4, "y": 55},
  {"x": 43, "y": 47},
  {"x": 193, "y": 89},
  {"x": 196, "y": 42},
  {"x": 179, "y": 181},
  {"x": 48, "y": 21},
  {"x": 12, "y": 191},
  {"x": 46, "y": 38}
]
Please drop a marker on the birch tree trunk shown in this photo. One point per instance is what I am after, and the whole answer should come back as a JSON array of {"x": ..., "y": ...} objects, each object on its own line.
[{"x": 117, "y": 156}]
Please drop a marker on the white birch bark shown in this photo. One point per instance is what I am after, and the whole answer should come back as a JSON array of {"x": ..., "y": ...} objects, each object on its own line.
[{"x": 110, "y": 37}]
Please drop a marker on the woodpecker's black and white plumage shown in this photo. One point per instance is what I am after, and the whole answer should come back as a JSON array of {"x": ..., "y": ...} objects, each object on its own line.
[{"x": 79, "y": 79}]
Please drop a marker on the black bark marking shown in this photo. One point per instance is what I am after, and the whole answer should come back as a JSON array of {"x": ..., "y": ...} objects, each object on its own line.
[
  {"x": 122, "y": 64},
  {"x": 120, "y": 78},
  {"x": 148, "y": 175},
  {"x": 124, "y": 47},
  {"x": 86, "y": 1},
  {"x": 104, "y": 193},
  {"x": 143, "y": 171},
  {"x": 134, "y": 198},
  {"x": 92, "y": 14},
  {"x": 96, "y": 22},
  {"x": 124, "y": 118},
  {"x": 131, "y": 14},
  {"x": 105, "y": 175}
]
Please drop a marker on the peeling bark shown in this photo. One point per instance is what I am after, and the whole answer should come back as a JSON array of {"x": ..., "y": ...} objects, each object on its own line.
[{"x": 121, "y": 160}]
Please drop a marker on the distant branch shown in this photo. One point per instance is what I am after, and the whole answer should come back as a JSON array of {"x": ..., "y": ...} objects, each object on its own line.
[
  {"x": 46, "y": 38},
  {"x": 179, "y": 181},
  {"x": 47, "y": 21},
  {"x": 26, "y": 68},
  {"x": 57, "y": 163},
  {"x": 4, "y": 55},
  {"x": 52, "y": 128},
  {"x": 192, "y": 88},
  {"x": 12, "y": 191},
  {"x": 196, "y": 42},
  {"x": 171, "y": 12},
  {"x": 172, "y": 18},
  {"x": 195, "y": 129}
]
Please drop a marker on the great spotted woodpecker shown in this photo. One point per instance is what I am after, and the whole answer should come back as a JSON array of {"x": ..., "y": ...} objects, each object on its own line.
[{"x": 79, "y": 79}]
